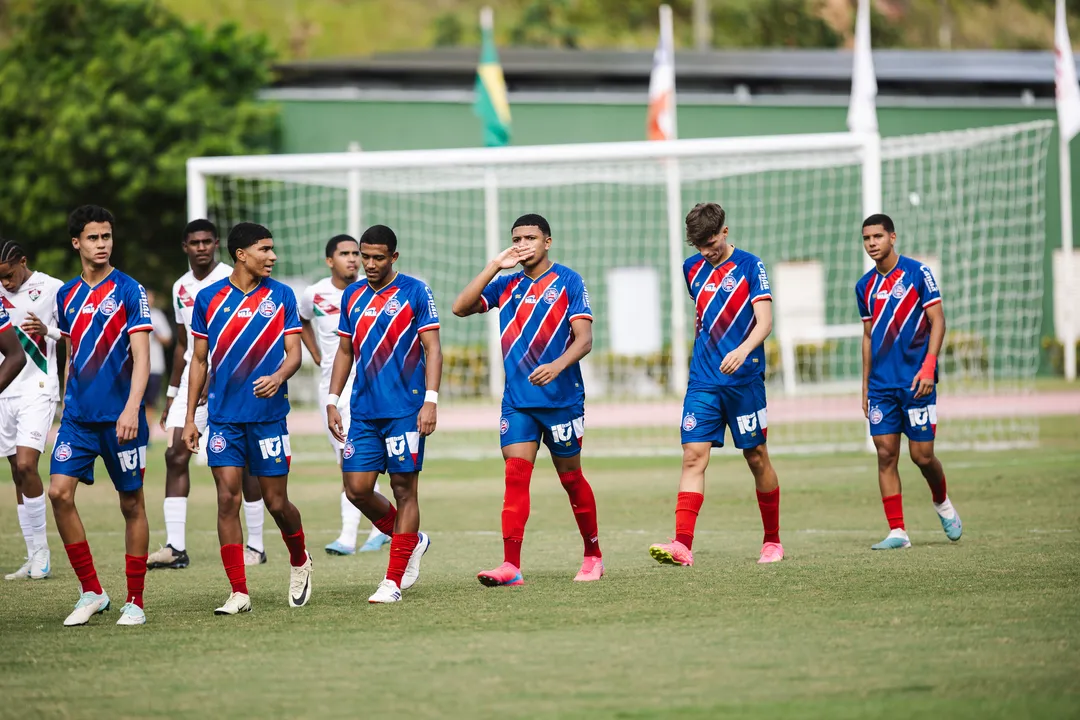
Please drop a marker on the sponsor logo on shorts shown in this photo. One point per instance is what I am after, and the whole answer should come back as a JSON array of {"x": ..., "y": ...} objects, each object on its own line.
[
  {"x": 129, "y": 460},
  {"x": 393, "y": 307},
  {"x": 217, "y": 443},
  {"x": 562, "y": 432},
  {"x": 108, "y": 306},
  {"x": 876, "y": 416},
  {"x": 395, "y": 447},
  {"x": 728, "y": 283},
  {"x": 898, "y": 290},
  {"x": 348, "y": 451},
  {"x": 35, "y": 435},
  {"x": 551, "y": 295},
  {"x": 689, "y": 422},
  {"x": 504, "y": 426},
  {"x": 62, "y": 452},
  {"x": 271, "y": 448},
  {"x": 922, "y": 417},
  {"x": 267, "y": 308}
]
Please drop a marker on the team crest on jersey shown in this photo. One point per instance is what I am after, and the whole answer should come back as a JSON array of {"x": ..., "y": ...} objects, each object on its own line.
[
  {"x": 108, "y": 306},
  {"x": 348, "y": 451},
  {"x": 62, "y": 452},
  {"x": 728, "y": 283},
  {"x": 217, "y": 443},
  {"x": 267, "y": 308},
  {"x": 393, "y": 307},
  {"x": 550, "y": 295},
  {"x": 504, "y": 426},
  {"x": 35, "y": 293},
  {"x": 876, "y": 416},
  {"x": 689, "y": 422},
  {"x": 898, "y": 290}
]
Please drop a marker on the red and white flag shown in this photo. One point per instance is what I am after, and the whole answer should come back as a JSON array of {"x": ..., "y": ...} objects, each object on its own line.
[
  {"x": 661, "y": 123},
  {"x": 862, "y": 110},
  {"x": 1067, "y": 88}
]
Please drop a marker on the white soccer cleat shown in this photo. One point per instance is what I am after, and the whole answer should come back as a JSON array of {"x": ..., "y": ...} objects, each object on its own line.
[
  {"x": 253, "y": 556},
  {"x": 236, "y": 604},
  {"x": 131, "y": 614},
  {"x": 300, "y": 584},
  {"x": 40, "y": 564},
  {"x": 387, "y": 592},
  {"x": 23, "y": 573},
  {"x": 412, "y": 570},
  {"x": 89, "y": 605}
]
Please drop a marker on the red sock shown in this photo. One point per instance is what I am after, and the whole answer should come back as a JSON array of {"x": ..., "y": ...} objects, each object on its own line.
[
  {"x": 939, "y": 492},
  {"x": 686, "y": 512},
  {"x": 135, "y": 567},
  {"x": 894, "y": 511},
  {"x": 401, "y": 549},
  {"x": 386, "y": 522},
  {"x": 515, "y": 511},
  {"x": 232, "y": 557},
  {"x": 297, "y": 548},
  {"x": 769, "y": 505},
  {"x": 82, "y": 562},
  {"x": 583, "y": 502}
]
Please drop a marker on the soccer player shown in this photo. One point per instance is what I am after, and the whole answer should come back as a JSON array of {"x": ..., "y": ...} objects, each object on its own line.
[
  {"x": 733, "y": 305},
  {"x": 106, "y": 317},
  {"x": 28, "y": 405},
  {"x": 546, "y": 326},
  {"x": 900, "y": 305},
  {"x": 389, "y": 329},
  {"x": 247, "y": 330},
  {"x": 320, "y": 313}
]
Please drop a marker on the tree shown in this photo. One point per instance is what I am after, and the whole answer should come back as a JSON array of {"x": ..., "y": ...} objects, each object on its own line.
[{"x": 103, "y": 101}]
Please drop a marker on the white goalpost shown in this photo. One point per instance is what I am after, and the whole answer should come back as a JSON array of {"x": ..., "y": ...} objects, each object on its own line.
[{"x": 971, "y": 204}]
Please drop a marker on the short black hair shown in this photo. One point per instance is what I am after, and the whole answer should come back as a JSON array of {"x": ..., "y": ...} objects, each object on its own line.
[
  {"x": 200, "y": 225},
  {"x": 83, "y": 215},
  {"x": 533, "y": 219},
  {"x": 244, "y": 235},
  {"x": 704, "y": 221},
  {"x": 10, "y": 251},
  {"x": 332, "y": 243},
  {"x": 880, "y": 219},
  {"x": 380, "y": 235}
]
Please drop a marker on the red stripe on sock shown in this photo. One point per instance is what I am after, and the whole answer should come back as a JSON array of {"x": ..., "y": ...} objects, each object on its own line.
[
  {"x": 232, "y": 557},
  {"x": 769, "y": 505},
  {"x": 686, "y": 511},
  {"x": 135, "y": 568},
  {"x": 386, "y": 522},
  {"x": 401, "y": 549},
  {"x": 894, "y": 511},
  {"x": 297, "y": 547},
  {"x": 583, "y": 503},
  {"x": 82, "y": 562},
  {"x": 515, "y": 513}
]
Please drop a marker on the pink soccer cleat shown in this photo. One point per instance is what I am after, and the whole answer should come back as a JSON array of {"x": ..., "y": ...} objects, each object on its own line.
[
  {"x": 505, "y": 574},
  {"x": 672, "y": 553},
  {"x": 771, "y": 552},
  {"x": 592, "y": 568}
]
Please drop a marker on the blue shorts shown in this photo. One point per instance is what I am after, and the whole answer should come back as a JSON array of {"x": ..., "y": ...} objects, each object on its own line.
[
  {"x": 561, "y": 429},
  {"x": 896, "y": 410},
  {"x": 390, "y": 445},
  {"x": 263, "y": 448},
  {"x": 741, "y": 407},
  {"x": 79, "y": 444}
]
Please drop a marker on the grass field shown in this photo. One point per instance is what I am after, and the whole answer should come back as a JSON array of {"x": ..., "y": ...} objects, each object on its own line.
[{"x": 987, "y": 627}]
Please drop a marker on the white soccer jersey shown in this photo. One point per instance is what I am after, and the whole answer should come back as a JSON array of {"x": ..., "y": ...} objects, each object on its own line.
[
  {"x": 320, "y": 304},
  {"x": 183, "y": 299},
  {"x": 37, "y": 295}
]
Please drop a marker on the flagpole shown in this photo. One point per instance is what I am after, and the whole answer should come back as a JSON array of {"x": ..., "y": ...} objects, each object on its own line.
[{"x": 1068, "y": 333}]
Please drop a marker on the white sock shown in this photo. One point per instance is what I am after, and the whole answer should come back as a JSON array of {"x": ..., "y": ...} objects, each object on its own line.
[
  {"x": 899, "y": 532},
  {"x": 350, "y": 522},
  {"x": 35, "y": 515},
  {"x": 27, "y": 533},
  {"x": 175, "y": 521},
  {"x": 945, "y": 509},
  {"x": 253, "y": 513}
]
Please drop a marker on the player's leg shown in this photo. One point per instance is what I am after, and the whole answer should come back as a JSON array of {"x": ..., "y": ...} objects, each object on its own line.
[
  {"x": 227, "y": 458},
  {"x": 564, "y": 434},
  {"x": 920, "y": 426},
  {"x": 363, "y": 457},
  {"x": 886, "y": 424},
  {"x": 177, "y": 486},
  {"x": 255, "y": 519},
  {"x": 35, "y": 418},
  {"x": 9, "y": 429},
  {"x": 23, "y": 572}
]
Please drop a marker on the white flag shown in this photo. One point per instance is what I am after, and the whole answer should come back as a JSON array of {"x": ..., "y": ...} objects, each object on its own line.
[
  {"x": 862, "y": 112},
  {"x": 660, "y": 124},
  {"x": 1068, "y": 91}
]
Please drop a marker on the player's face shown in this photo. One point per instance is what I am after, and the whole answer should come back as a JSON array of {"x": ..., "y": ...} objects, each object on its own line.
[
  {"x": 95, "y": 243},
  {"x": 345, "y": 262},
  {"x": 259, "y": 258},
  {"x": 715, "y": 247},
  {"x": 201, "y": 248},
  {"x": 530, "y": 236},
  {"x": 14, "y": 274},
  {"x": 378, "y": 263},
  {"x": 877, "y": 242}
]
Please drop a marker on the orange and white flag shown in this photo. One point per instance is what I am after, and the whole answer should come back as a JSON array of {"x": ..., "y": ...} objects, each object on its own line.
[
  {"x": 661, "y": 124},
  {"x": 1068, "y": 90}
]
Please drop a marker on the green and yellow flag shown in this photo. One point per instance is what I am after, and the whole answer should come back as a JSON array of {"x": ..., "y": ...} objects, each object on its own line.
[{"x": 491, "y": 105}]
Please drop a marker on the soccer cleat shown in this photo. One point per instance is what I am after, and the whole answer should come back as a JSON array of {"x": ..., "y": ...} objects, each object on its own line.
[
  {"x": 89, "y": 605},
  {"x": 168, "y": 557},
  {"x": 300, "y": 584},
  {"x": 131, "y": 614},
  {"x": 771, "y": 552},
  {"x": 952, "y": 526},
  {"x": 672, "y": 553},
  {"x": 339, "y": 548},
  {"x": 412, "y": 570},
  {"x": 40, "y": 564},
  {"x": 375, "y": 541},
  {"x": 22, "y": 573},
  {"x": 895, "y": 540},
  {"x": 236, "y": 604},
  {"x": 387, "y": 592},
  {"x": 592, "y": 568},
  {"x": 253, "y": 556},
  {"x": 506, "y": 574}
]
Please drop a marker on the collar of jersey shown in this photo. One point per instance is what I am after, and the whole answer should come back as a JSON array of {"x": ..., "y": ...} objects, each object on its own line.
[
  {"x": 899, "y": 257},
  {"x": 93, "y": 287},
  {"x": 389, "y": 283},
  {"x": 538, "y": 277},
  {"x": 262, "y": 281},
  {"x": 730, "y": 258}
]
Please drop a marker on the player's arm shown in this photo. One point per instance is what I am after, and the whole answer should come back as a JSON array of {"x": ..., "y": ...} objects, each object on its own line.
[
  {"x": 268, "y": 385},
  {"x": 432, "y": 379},
  {"x": 63, "y": 350},
  {"x": 127, "y": 425},
  {"x": 178, "y": 365},
  {"x": 470, "y": 300},
  {"x": 923, "y": 384},
  {"x": 196, "y": 379},
  {"x": 339, "y": 375},
  {"x": 867, "y": 360},
  {"x": 14, "y": 357},
  {"x": 762, "y": 328},
  {"x": 579, "y": 348},
  {"x": 307, "y": 334}
]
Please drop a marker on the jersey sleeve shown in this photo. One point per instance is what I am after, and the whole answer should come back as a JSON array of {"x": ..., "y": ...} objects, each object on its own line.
[
  {"x": 860, "y": 299},
  {"x": 493, "y": 292},
  {"x": 759, "y": 284},
  {"x": 139, "y": 318},
  {"x": 929, "y": 292},
  {"x": 292, "y": 317},
  {"x": 427, "y": 315},
  {"x": 5, "y": 320},
  {"x": 307, "y": 304},
  {"x": 62, "y": 322},
  {"x": 578, "y": 295},
  {"x": 177, "y": 304},
  {"x": 198, "y": 315},
  {"x": 345, "y": 319}
]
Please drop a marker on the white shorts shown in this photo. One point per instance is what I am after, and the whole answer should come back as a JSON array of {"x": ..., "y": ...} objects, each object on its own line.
[
  {"x": 343, "y": 408},
  {"x": 178, "y": 413},
  {"x": 25, "y": 422}
]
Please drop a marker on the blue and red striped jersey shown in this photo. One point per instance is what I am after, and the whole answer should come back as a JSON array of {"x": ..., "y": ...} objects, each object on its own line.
[
  {"x": 384, "y": 328},
  {"x": 535, "y": 317},
  {"x": 896, "y": 305},
  {"x": 245, "y": 333},
  {"x": 5, "y": 319},
  {"x": 724, "y": 298},
  {"x": 99, "y": 321}
]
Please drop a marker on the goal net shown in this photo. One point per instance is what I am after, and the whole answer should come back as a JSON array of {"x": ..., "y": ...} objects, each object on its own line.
[{"x": 969, "y": 204}]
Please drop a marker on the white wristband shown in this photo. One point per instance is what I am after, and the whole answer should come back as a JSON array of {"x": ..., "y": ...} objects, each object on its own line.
[
  {"x": 431, "y": 396},
  {"x": 172, "y": 392},
  {"x": 332, "y": 400},
  {"x": 53, "y": 334}
]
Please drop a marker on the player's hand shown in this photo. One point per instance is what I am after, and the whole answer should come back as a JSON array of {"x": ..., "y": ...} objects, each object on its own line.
[
  {"x": 922, "y": 386},
  {"x": 191, "y": 438},
  {"x": 512, "y": 255},
  {"x": 127, "y": 425},
  {"x": 425, "y": 421},
  {"x": 733, "y": 360},
  {"x": 544, "y": 374},
  {"x": 205, "y": 395},
  {"x": 165, "y": 413},
  {"x": 333, "y": 423},
  {"x": 267, "y": 386},
  {"x": 33, "y": 326},
  {"x": 866, "y": 405}
]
